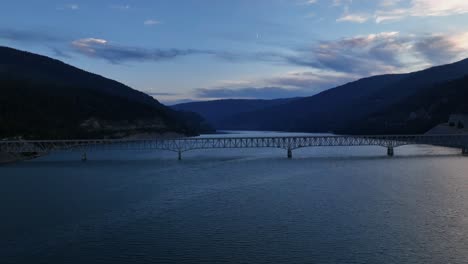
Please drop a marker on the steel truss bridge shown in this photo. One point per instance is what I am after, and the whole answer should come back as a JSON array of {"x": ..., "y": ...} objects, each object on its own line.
[{"x": 180, "y": 145}]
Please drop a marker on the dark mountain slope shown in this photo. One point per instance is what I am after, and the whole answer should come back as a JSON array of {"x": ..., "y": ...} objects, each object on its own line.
[
  {"x": 216, "y": 111},
  {"x": 27, "y": 66},
  {"x": 315, "y": 113},
  {"x": 341, "y": 108},
  {"x": 419, "y": 112},
  {"x": 46, "y": 98}
]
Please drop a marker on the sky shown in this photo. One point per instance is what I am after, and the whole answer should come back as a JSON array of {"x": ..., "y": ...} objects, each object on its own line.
[{"x": 192, "y": 50}]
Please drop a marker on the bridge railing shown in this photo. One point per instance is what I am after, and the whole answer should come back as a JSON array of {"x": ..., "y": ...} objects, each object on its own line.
[{"x": 185, "y": 144}]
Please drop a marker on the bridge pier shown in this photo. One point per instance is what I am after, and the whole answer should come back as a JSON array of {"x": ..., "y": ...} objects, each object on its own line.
[
  {"x": 84, "y": 157},
  {"x": 465, "y": 151},
  {"x": 390, "y": 151},
  {"x": 289, "y": 153},
  {"x": 180, "y": 155}
]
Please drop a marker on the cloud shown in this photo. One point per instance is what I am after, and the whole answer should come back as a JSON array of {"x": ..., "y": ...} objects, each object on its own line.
[
  {"x": 385, "y": 52},
  {"x": 73, "y": 7},
  {"x": 358, "y": 56},
  {"x": 53, "y": 42},
  {"x": 103, "y": 49},
  {"x": 151, "y": 22},
  {"x": 100, "y": 48},
  {"x": 291, "y": 84},
  {"x": 345, "y": 3},
  {"x": 311, "y": 81},
  {"x": 28, "y": 36},
  {"x": 421, "y": 8},
  {"x": 328, "y": 64},
  {"x": 332, "y": 63},
  {"x": 89, "y": 45},
  {"x": 439, "y": 49},
  {"x": 354, "y": 18},
  {"x": 389, "y": 3}
]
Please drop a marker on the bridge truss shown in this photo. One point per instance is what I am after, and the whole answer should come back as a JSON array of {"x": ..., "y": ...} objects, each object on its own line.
[{"x": 181, "y": 145}]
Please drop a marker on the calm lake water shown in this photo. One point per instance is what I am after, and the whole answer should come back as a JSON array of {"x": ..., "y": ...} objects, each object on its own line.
[{"x": 327, "y": 205}]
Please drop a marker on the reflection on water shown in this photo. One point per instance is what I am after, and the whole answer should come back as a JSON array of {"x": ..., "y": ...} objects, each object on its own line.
[{"x": 327, "y": 205}]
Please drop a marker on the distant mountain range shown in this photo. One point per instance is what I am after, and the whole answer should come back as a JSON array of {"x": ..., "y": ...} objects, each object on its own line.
[
  {"x": 215, "y": 112},
  {"x": 398, "y": 103},
  {"x": 45, "y": 98}
]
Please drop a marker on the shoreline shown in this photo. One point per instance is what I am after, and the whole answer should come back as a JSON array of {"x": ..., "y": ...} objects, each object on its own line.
[{"x": 9, "y": 158}]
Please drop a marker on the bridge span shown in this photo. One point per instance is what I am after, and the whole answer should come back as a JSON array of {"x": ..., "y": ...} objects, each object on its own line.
[{"x": 180, "y": 145}]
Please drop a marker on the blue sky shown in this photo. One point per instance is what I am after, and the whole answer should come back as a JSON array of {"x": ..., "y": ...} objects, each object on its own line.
[{"x": 179, "y": 50}]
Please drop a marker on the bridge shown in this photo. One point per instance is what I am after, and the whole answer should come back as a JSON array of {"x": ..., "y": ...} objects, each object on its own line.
[{"x": 180, "y": 145}]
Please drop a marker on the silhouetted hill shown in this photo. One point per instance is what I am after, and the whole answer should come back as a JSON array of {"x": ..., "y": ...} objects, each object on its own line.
[
  {"x": 419, "y": 112},
  {"x": 345, "y": 108},
  {"x": 46, "y": 98},
  {"x": 216, "y": 111}
]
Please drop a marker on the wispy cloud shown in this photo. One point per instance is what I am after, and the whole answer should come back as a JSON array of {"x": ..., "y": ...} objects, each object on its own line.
[
  {"x": 310, "y": 2},
  {"x": 89, "y": 45},
  {"x": 342, "y": 2},
  {"x": 291, "y": 84},
  {"x": 341, "y": 59},
  {"x": 103, "y": 49},
  {"x": 73, "y": 6},
  {"x": 332, "y": 63},
  {"x": 312, "y": 81},
  {"x": 421, "y": 8},
  {"x": 28, "y": 36},
  {"x": 348, "y": 16},
  {"x": 365, "y": 55},
  {"x": 386, "y": 52},
  {"x": 69, "y": 7},
  {"x": 151, "y": 22},
  {"x": 389, "y": 3},
  {"x": 354, "y": 18},
  {"x": 440, "y": 49}
]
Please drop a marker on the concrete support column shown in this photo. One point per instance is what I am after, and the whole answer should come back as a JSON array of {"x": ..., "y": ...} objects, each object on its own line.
[
  {"x": 289, "y": 153},
  {"x": 180, "y": 155},
  {"x": 390, "y": 151},
  {"x": 465, "y": 151},
  {"x": 84, "y": 157}
]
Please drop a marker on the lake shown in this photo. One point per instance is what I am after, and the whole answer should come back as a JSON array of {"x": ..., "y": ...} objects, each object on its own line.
[{"x": 326, "y": 205}]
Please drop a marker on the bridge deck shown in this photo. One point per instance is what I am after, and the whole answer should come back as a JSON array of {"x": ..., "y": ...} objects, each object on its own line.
[{"x": 185, "y": 144}]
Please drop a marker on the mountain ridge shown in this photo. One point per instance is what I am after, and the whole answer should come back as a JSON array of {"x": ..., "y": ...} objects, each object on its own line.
[
  {"x": 342, "y": 108},
  {"x": 47, "y": 98},
  {"x": 228, "y": 107}
]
